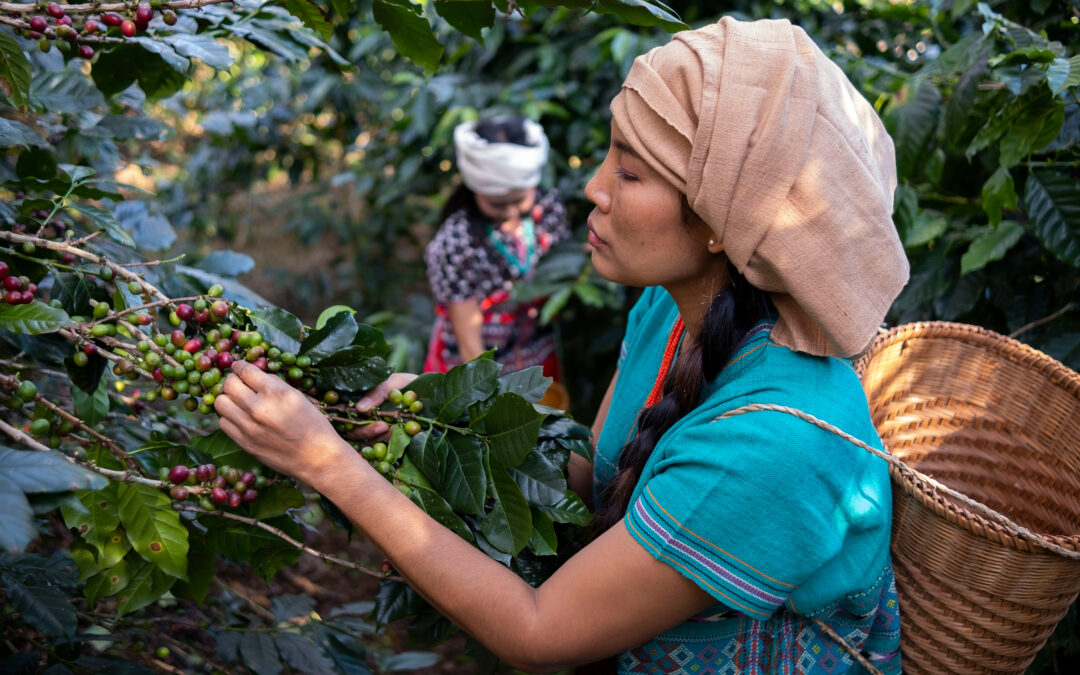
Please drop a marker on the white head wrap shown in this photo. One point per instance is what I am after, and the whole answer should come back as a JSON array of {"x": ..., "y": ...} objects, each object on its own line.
[{"x": 494, "y": 169}]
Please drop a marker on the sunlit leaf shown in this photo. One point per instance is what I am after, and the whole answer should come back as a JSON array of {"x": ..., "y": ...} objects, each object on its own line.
[{"x": 33, "y": 319}]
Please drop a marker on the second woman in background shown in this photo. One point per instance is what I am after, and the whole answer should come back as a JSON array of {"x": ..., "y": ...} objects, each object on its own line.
[{"x": 495, "y": 228}]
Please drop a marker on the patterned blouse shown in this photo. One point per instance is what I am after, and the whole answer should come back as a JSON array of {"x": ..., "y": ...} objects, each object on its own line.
[{"x": 468, "y": 259}]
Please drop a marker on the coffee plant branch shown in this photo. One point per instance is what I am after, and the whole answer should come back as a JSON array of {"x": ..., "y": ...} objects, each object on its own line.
[
  {"x": 284, "y": 536},
  {"x": 1038, "y": 322},
  {"x": 10, "y": 382},
  {"x": 119, "y": 270},
  {"x": 100, "y": 7}
]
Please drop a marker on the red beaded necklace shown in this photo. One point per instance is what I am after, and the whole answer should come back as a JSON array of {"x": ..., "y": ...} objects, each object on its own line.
[{"x": 665, "y": 365}]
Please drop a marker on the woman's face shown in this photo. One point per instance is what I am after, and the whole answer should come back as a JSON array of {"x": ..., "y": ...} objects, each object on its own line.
[
  {"x": 637, "y": 231},
  {"x": 507, "y": 209}
]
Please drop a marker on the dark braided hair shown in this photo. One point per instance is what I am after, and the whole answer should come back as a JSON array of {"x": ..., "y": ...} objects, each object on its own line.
[{"x": 730, "y": 316}]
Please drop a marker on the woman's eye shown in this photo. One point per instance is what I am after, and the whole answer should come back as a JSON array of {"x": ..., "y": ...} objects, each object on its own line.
[{"x": 623, "y": 174}]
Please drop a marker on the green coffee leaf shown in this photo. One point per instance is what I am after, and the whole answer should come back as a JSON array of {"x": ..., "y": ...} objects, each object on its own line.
[
  {"x": 103, "y": 220},
  {"x": 17, "y": 525},
  {"x": 227, "y": 263},
  {"x": 337, "y": 333},
  {"x": 146, "y": 585},
  {"x": 154, "y": 528},
  {"x": 14, "y": 69},
  {"x": 542, "y": 482},
  {"x": 991, "y": 246},
  {"x": 224, "y": 451},
  {"x": 912, "y": 122},
  {"x": 1053, "y": 203},
  {"x": 33, "y": 319},
  {"x": 462, "y": 481},
  {"x": 280, "y": 328},
  {"x": 531, "y": 384},
  {"x": 543, "y": 540},
  {"x": 999, "y": 193},
  {"x": 409, "y": 30},
  {"x": 275, "y": 500},
  {"x": 202, "y": 566},
  {"x": 399, "y": 440},
  {"x": 260, "y": 653},
  {"x": 569, "y": 510},
  {"x": 508, "y": 525},
  {"x": 351, "y": 369},
  {"x": 465, "y": 385},
  {"x": 302, "y": 654},
  {"x": 511, "y": 425},
  {"x": 49, "y": 471},
  {"x": 111, "y": 580},
  {"x": 100, "y": 517},
  {"x": 91, "y": 408},
  {"x": 437, "y": 507},
  {"x": 16, "y": 134},
  {"x": 471, "y": 18},
  {"x": 46, "y": 608},
  {"x": 312, "y": 16}
]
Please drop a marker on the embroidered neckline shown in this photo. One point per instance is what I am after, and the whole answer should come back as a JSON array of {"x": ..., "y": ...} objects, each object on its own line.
[{"x": 521, "y": 263}]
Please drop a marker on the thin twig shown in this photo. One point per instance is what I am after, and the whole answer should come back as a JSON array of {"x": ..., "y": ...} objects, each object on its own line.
[
  {"x": 259, "y": 609},
  {"x": 1046, "y": 319},
  {"x": 33, "y": 444},
  {"x": 284, "y": 536}
]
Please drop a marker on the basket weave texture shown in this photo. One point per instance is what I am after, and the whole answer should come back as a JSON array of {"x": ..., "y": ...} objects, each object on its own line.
[{"x": 999, "y": 422}]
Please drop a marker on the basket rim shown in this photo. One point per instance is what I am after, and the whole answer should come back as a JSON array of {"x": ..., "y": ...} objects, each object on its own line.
[{"x": 997, "y": 345}]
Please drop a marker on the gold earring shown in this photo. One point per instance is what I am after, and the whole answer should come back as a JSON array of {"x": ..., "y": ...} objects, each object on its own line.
[{"x": 712, "y": 242}]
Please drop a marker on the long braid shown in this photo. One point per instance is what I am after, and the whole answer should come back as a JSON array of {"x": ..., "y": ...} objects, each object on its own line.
[{"x": 731, "y": 314}]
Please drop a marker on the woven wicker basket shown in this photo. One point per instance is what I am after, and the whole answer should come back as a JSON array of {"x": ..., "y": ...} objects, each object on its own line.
[{"x": 999, "y": 422}]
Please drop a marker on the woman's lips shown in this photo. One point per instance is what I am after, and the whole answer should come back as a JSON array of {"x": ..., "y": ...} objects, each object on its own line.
[{"x": 594, "y": 239}]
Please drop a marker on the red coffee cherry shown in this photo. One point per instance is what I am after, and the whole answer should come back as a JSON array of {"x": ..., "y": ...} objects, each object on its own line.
[
  {"x": 178, "y": 474},
  {"x": 38, "y": 23},
  {"x": 185, "y": 311},
  {"x": 112, "y": 19},
  {"x": 144, "y": 13},
  {"x": 127, "y": 28},
  {"x": 219, "y": 496},
  {"x": 55, "y": 10},
  {"x": 86, "y": 52}
]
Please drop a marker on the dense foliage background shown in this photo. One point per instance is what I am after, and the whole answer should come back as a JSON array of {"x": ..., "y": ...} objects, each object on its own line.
[{"x": 299, "y": 154}]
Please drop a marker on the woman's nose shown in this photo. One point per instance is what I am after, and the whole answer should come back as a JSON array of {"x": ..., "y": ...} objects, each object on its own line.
[{"x": 596, "y": 193}]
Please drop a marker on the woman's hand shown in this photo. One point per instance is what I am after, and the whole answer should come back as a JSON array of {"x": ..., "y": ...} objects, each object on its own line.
[
  {"x": 376, "y": 431},
  {"x": 277, "y": 425}
]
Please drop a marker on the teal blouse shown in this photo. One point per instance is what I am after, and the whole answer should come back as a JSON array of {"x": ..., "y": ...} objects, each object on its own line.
[{"x": 779, "y": 521}]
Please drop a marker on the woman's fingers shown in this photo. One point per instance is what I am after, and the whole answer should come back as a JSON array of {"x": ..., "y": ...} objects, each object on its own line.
[
  {"x": 370, "y": 432},
  {"x": 374, "y": 397},
  {"x": 255, "y": 379}
]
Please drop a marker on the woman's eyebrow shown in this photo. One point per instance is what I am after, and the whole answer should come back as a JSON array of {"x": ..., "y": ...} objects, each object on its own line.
[{"x": 622, "y": 146}]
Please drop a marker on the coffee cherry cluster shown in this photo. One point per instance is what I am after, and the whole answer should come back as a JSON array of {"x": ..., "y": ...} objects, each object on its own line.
[
  {"x": 406, "y": 402},
  {"x": 45, "y": 424},
  {"x": 56, "y": 24},
  {"x": 213, "y": 487},
  {"x": 17, "y": 290},
  {"x": 192, "y": 361}
]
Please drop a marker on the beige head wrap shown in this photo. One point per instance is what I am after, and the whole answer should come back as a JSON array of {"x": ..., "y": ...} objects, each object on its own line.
[{"x": 786, "y": 162}]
